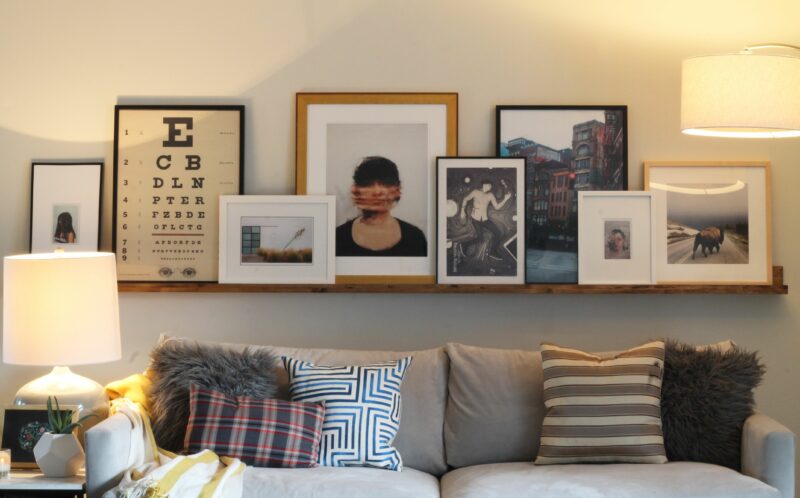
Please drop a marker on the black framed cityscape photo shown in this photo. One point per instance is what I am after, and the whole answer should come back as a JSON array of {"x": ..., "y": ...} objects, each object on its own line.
[{"x": 567, "y": 149}]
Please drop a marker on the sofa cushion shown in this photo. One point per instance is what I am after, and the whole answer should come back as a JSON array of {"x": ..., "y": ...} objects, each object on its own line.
[
  {"x": 495, "y": 408},
  {"x": 419, "y": 439},
  {"x": 177, "y": 364},
  {"x": 624, "y": 480},
  {"x": 362, "y": 409},
  {"x": 602, "y": 410},
  {"x": 340, "y": 482},
  {"x": 260, "y": 432},
  {"x": 707, "y": 396}
]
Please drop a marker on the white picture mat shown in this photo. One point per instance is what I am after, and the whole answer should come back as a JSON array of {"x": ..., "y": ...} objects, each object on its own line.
[
  {"x": 457, "y": 163},
  {"x": 65, "y": 184},
  {"x": 235, "y": 207},
  {"x": 594, "y": 209},
  {"x": 757, "y": 269},
  {"x": 434, "y": 115}
]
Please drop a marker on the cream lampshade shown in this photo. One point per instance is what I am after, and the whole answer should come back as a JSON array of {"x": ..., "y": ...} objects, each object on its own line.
[
  {"x": 746, "y": 95},
  {"x": 61, "y": 309}
]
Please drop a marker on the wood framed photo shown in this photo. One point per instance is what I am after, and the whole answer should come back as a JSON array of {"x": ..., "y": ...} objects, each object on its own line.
[
  {"x": 171, "y": 164},
  {"x": 22, "y": 428},
  {"x": 713, "y": 221},
  {"x": 567, "y": 149},
  {"x": 376, "y": 153},
  {"x": 480, "y": 220},
  {"x": 277, "y": 239},
  {"x": 65, "y": 206},
  {"x": 616, "y": 242}
]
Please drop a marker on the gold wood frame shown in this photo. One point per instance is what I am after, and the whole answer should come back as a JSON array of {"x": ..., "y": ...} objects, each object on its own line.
[
  {"x": 766, "y": 165},
  {"x": 304, "y": 100}
]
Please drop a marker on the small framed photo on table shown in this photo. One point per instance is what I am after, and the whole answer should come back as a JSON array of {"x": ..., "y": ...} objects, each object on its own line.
[
  {"x": 277, "y": 239},
  {"x": 22, "y": 428},
  {"x": 65, "y": 206},
  {"x": 616, "y": 243},
  {"x": 481, "y": 220},
  {"x": 376, "y": 152},
  {"x": 713, "y": 221}
]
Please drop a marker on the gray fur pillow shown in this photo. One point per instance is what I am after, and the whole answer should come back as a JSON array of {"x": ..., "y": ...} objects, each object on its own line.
[
  {"x": 177, "y": 364},
  {"x": 706, "y": 395}
]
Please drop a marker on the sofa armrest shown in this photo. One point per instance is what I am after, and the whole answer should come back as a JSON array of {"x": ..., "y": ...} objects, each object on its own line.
[
  {"x": 107, "y": 453},
  {"x": 768, "y": 453}
]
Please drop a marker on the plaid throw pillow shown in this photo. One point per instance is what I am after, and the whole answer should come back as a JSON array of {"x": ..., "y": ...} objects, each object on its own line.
[{"x": 260, "y": 432}]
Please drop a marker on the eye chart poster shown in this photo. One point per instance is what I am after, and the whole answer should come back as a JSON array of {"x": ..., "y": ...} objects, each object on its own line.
[{"x": 171, "y": 164}]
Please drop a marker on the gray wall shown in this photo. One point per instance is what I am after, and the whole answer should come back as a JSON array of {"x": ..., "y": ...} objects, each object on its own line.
[{"x": 65, "y": 65}]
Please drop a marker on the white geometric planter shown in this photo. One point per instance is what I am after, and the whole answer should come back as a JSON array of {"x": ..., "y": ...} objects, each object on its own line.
[{"x": 59, "y": 455}]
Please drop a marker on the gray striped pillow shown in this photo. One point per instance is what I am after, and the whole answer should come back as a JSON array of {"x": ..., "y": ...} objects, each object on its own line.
[{"x": 602, "y": 410}]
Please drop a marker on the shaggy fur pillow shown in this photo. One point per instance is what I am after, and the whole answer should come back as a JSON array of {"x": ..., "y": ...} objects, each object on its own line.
[
  {"x": 706, "y": 395},
  {"x": 177, "y": 364}
]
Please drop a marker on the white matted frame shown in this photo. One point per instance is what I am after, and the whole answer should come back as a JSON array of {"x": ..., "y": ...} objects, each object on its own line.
[
  {"x": 740, "y": 251},
  {"x": 464, "y": 254},
  {"x": 317, "y": 113},
  {"x": 616, "y": 240},
  {"x": 277, "y": 239},
  {"x": 65, "y": 206}
]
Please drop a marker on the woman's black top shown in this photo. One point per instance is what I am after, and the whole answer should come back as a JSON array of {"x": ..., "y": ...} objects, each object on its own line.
[{"x": 412, "y": 242}]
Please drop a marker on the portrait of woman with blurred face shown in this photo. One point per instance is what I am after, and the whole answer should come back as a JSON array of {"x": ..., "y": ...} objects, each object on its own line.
[
  {"x": 617, "y": 245},
  {"x": 375, "y": 191}
]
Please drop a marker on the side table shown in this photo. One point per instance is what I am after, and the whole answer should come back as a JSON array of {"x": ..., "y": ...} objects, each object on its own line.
[{"x": 32, "y": 483}]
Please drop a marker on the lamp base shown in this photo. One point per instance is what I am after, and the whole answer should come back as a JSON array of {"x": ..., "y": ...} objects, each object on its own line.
[{"x": 70, "y": 389}]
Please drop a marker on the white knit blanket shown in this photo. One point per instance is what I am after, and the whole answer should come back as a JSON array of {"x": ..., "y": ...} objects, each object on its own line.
[{"x": 155, "y": 473}]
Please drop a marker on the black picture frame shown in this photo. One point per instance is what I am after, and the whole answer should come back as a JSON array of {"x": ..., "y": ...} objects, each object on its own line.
[
  {"x": 164, "y": 271},
  {"x": 15, "y": 418},
  {"x": 41, "y": 222},
  {"x": 556, "y": 172}
]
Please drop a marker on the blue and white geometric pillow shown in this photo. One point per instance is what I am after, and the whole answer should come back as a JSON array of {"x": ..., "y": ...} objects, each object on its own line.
[{"x": 362, "y": 410}]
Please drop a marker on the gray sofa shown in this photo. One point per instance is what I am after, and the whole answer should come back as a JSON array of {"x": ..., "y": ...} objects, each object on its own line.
[{"x": 470, "y": 428}]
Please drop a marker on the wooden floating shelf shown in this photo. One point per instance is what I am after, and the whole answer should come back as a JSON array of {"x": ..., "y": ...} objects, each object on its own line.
[{"x": 777, "y": 287}]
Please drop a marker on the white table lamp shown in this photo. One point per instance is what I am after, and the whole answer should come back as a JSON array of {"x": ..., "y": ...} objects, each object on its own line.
[
  {"x": 742, "y": 95},
  {"x": 61, "y": 309}
]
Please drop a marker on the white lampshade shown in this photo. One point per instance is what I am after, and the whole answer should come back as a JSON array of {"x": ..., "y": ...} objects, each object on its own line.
[
  {"x": 743, "y": 95},
  {"x": 60, "y": 309}
]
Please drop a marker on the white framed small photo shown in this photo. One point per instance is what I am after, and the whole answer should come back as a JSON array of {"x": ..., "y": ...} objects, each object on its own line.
[
  {"x": 277, "y": 239},
  {"x": 616, "y": 243}
]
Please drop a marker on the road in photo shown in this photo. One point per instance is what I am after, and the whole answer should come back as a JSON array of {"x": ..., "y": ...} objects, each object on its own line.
[
  {"x": 707, "y": 224},
  {"x": 542, "y": 266},
  {"x": 733, "y": 250}
]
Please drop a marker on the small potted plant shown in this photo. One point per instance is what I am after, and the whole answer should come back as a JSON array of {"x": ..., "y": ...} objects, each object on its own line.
[{"x": 58, "y": 452}]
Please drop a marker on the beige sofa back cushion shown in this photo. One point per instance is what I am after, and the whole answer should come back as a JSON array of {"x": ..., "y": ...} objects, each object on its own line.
[
  {"x": 423, "y": 396},
  {"x": 495, "y": 405}
]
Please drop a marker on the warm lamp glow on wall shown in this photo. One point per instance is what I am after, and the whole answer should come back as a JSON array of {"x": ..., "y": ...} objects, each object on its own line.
[
  {"x": 744, "y": 95},
  {"x": 61, "y": 309}
]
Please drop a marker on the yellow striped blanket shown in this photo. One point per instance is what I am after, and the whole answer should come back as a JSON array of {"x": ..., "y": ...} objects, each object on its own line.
[{"x": 157, "y": 473}]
